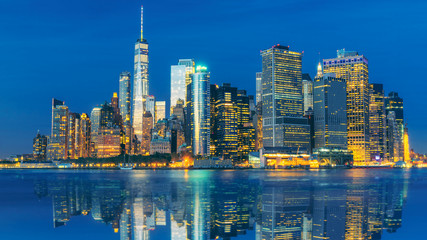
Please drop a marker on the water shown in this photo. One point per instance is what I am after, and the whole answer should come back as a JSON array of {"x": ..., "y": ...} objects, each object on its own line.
[{"x": 205, "y": 204}]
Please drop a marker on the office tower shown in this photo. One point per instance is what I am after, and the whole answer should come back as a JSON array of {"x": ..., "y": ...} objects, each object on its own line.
[
  {"x": 140, "y": 82},
  {"x": 377, "y": 121},
  {"x": 282, "y": 100},
  {"x": 258, "y": 126},
  {"x": 39, "y": 147},
  {"x": 57, "y": 148},
  {"x": 124, "y": 105},
  {"x": 146, "y": 133},
  {"x": 353, "y": 68},
  {"x": 395, "y": 103},
  {"x": 73, "y": 137},
  {"x": 394, "y": 148},
  {"x": 116, "y": 110},
  {"x": 178, "y": 110},
  {"x": 150, "y": 106},
  {"x": 330, "y": 118},
  {"x": 160, "y": 110},
  {"x": 307, "y": 91},
  {"x": 178, "y": 76},
  {"x": 258, "y": 80},
  {"x": 161, "y": 138},
  {"x": 95, "y": 118},
  {"x": 108, "y": 141},
  {"x": 200, "y": 111},
  {"x": 246, "y": 130},
  {"x": 224, "y": 121},
  {"x": 189, "y": 70},
  {"x": 85, "y": 136},
  {"x": 177, "y": 134}
]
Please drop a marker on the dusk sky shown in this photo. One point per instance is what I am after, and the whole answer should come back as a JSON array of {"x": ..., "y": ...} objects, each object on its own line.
[{"x": 75, "y": 50}]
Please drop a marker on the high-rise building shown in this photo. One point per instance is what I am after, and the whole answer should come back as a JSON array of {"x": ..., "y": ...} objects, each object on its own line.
[
  {"x": 282, "y": 99},
  {"x": 353, "y": 68},
  {"x": 39, "y": 147},
  {"x": 178, "y": 87},
  {"x": 124, "y": 105},
  {"x": 258, "y": 80},
  {"x": 200, "y": 111},
  {"x": 160, "y": 111},
  {"x": 330, "y": 118},
  {"x": 146, "y": 133},
  {"x": 140, "y": 82},
  {"x": 73, "y": 137},
  {"x": 406, "y": 148},
  {"x": 84, "y": 148},
  {"x": 224, "y": 121},
  {"x": 394, "y": 146},
  {"x": 307, "y": 91},
  {"x": 377, "y": 122},
  {"x": 189, "y": 70},
  {"x": 58, "y": 147},
  {"x": 395, "y": 103}
]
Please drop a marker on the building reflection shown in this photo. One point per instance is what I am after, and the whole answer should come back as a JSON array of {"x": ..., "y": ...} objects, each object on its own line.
[{"x": 207, "y": 207}]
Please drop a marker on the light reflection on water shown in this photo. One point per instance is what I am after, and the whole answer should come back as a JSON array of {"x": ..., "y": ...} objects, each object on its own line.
[{"x": 208, "y": 204}]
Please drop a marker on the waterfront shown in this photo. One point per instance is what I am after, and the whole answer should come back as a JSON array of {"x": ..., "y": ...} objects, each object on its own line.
[{"x": 206, "y": 204}]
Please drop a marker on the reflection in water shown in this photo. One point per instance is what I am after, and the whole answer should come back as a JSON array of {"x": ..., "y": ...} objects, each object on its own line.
[{"x": 209, "y": 204}]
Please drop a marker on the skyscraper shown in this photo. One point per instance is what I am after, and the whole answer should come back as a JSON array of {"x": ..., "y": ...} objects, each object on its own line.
[
  {"x": 39, "y": 147},
  {"x": 307, "y": 91},
  {"x": 200, "y": 112},
  {"x": 124, "y": 105},
  {"x": 258, "y": 80},
  {"x": 58, "y": 147},
  {"x": 377, "y": 122},
  {"x": 282, "y": 99},
  {"x": 160, "y": 110},
  {"x": 353, "y": 68},
  {"x": 189, "y": 70},
  {"x": 150, "y": 106},
  {"x": 146, "y": 133},
  {"x": 395, "y": 103},
  {"x": 178, "y": 76},
  {"x": 330, "y": 118},
  {"x": 140, "y": 82}
]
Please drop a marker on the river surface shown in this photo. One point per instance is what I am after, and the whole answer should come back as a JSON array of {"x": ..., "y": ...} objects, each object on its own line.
[{"x": 213, "y": 204}]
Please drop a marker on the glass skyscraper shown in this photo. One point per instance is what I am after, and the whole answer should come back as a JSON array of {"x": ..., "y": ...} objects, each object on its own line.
[
  {"x": 330, "y": 117},
  {"x": 124, "y": 105},
  {"x": 140, "y": 82},
  {"x": 377, "y": 122},
  {"x": 57, "y": 148},
  {"x": 282, "y": 99},
  {"x": 200, "y": 114},
  {"x": 307, "y": 91},
  {"x": 160, "y": 111},
  {"x": 353, "y": 68},
  {"x": 258, "y": 80},
  {"x": 178, "y": 76}
]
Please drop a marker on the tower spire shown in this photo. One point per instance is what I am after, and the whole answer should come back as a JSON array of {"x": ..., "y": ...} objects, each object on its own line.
[{"x": 142, "y": 14}]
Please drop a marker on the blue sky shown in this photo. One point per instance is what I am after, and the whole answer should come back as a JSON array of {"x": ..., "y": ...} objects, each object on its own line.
[{"x": 75, "y": 50}]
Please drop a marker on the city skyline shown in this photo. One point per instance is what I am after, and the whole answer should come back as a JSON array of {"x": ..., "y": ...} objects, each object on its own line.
[{"x": 83, "y": 100}]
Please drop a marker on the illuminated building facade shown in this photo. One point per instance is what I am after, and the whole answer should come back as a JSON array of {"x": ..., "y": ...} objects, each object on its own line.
[
  {"x": 307, "y": 91},
  {"x": 58, "y": 147},
  {"x": 84, "y": 132},
  {"x": 178, "y": 87},
  {"x": 330, "y": 118},
  {"x": 224, "y": 120},
  {"x": 258, "y": 82},
  {"x": 377, "y": 121},
  {"x": 200, "y": 111},
  {"x": 125, "y": 111},
  {"x": 353, "y": 68},
  {"x": 160, "y": 111},
  {"x": 140, "y": 82},
  {"x": 394, "y": 148},
  {"x": 406, "y": 149},
  {"x": 150, "y": 106},
  {"x": 146, "y": 133},
  {"x": 395, "y": 103},
  {"x": 108, "y": 142},
  {"x": 282, "y": 99},
  {"x": 39, "y": 147},
  {"x": 189, "y": 70}
]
